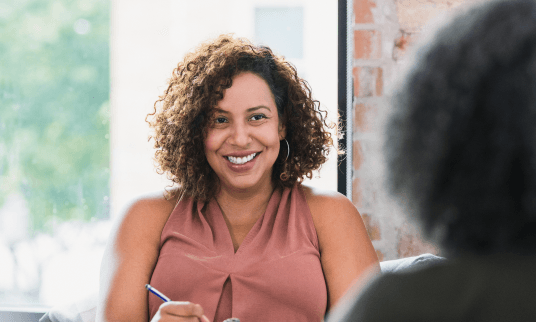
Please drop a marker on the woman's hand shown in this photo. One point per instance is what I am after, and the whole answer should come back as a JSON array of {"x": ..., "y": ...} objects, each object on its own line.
[{"x": 180, "y": 312}]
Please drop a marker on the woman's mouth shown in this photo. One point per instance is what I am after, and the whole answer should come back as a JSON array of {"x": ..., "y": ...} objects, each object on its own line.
[{"x": 242, "y": 160}]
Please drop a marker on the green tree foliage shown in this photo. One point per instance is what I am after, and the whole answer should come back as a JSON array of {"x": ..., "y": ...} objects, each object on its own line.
[{"x": 54, "y": 107}]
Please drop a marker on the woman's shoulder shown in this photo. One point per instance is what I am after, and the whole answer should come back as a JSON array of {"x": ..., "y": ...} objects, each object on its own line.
[
  {"x": 131, "y": 253},
  {"x": 332, "y": 212},
  {"x": 320, "y": 200},
  {"x": 145, "y": 215},
  {"x": 152, "y": 203},
  {"x": 346, "y": 251}
]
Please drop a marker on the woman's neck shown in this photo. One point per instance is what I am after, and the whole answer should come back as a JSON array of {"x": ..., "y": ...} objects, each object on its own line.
[{"x": 244, "y": 205}]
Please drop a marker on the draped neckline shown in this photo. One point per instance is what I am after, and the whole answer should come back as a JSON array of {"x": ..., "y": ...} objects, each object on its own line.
[{"x": 214, "y": 209}]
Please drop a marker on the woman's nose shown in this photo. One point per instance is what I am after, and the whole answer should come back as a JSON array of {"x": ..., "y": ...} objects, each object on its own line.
[{"x": 240, "y": 136}]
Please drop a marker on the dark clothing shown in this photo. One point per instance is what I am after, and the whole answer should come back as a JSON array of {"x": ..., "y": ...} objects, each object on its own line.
[{"x": 492, "y": 288}]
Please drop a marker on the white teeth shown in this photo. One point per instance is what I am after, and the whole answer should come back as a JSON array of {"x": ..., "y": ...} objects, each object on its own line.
[{"x": 238, "y": 160}]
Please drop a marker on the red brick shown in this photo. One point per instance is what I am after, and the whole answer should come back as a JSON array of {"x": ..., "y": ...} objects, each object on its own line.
[
  {"x": 357, "y": 155},
  {"x": 357, "y": 195},
  {"x": 368, "y": 81},
  {"x": 364, "y": 115},
  {"x": 367, "y": 44},
  {"x": 363, "y": 11},
  {"x": 379, "y": 82}
]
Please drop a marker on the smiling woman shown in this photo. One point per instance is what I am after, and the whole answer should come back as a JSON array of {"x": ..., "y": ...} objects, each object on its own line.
[
  {"x": 239, "y": 235},
  {"x": 196, "y": 93}
]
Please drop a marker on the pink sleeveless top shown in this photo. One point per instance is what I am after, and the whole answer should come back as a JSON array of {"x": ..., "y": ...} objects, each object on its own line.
[{"x": 275, "y": 275}]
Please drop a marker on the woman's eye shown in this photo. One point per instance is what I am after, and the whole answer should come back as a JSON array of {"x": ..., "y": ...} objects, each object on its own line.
[
  {"x": 219, "y": 120},
  {"x": 258, "y": 117}
]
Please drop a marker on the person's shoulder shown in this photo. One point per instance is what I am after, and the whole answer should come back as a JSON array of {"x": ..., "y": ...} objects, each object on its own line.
[
  {"x": 145, "y": 215},
  {"x": 367, "y": 303},
  {"x": 131, "y": 254},
  {"x": 324, "y": 197},
  {"x": 332, "y": 212},
  {"x": 152, "y": 204},
  {"x": 387, "y": 297},
  {"x": 323, "y": 201}
]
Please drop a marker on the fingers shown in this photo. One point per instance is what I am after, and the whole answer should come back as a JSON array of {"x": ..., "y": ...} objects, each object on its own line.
[
  {"x": 193, "y": 312},
  {"x": 204, "y": 319},
  {"x": 173, "y": 318}
]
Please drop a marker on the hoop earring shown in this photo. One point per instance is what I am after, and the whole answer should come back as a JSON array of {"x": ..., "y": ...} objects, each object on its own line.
[{"x": 288, "y": 150}]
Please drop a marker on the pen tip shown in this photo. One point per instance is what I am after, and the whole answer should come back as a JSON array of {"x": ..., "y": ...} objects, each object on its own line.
[{"x": 147, "y": 286}]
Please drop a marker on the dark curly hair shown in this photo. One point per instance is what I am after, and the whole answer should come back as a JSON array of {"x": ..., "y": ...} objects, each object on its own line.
[
  {"x": 183, "y": 112},
  {"x": 461, "y": 142}
]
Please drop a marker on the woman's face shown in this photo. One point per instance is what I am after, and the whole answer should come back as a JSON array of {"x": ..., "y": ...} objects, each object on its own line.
[{"x": 242, "y": 141}]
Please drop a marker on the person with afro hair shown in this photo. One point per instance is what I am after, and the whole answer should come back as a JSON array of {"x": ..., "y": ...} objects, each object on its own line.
[{"x": 460, "y": 147}]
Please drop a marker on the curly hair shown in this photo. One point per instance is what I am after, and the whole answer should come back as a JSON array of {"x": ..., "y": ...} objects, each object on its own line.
[
  {"x": 182, "y": 114},
  {"x": 461, "y": 142}
]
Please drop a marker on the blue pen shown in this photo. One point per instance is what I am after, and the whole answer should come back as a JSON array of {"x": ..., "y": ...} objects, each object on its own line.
[{"x": 157, "y": 293}]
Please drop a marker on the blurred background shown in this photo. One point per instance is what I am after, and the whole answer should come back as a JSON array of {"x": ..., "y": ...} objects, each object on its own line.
[{"x": 77, "y": 79}]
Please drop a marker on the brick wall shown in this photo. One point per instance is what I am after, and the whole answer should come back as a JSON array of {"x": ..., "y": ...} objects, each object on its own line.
[{"x": 383, "y": 31}]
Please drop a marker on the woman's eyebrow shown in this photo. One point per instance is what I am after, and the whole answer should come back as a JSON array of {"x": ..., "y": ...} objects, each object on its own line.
[
  {"x": 219, "y": 110},
  {"x": 249, "y": 110},
  {"x": 252, "y": 109}
]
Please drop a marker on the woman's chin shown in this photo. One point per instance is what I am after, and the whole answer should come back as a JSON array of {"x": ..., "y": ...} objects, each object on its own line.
[{"x": 246, "y": 184}]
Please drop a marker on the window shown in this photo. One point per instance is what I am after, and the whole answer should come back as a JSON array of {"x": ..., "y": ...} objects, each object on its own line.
[
  {"x": 54, "y": 142},
  {"x": 271, "y": 23}
]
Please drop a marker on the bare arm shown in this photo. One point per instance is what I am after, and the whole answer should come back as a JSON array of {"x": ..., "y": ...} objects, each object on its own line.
[
  {"x": 129, "y": 260},
  {"x": 346, "y": 251}
]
